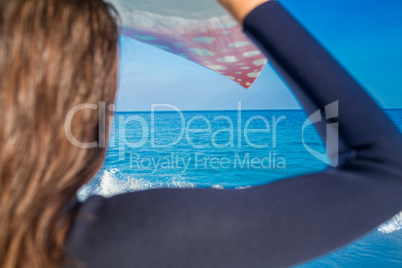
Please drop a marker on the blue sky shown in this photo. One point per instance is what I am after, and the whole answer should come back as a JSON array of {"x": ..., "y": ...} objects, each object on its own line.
[{"x": 364, "y": 36}]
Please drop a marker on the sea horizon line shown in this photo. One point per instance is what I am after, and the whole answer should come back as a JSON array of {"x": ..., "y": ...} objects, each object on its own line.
[{"x": 224, "y": 110}]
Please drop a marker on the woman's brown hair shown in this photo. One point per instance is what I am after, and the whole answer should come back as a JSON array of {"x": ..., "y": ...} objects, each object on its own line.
[{"x": 54, "y": 55}]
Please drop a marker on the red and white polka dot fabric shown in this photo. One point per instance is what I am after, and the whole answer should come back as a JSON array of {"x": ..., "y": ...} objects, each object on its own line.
[{"x": 216, "y": 42}]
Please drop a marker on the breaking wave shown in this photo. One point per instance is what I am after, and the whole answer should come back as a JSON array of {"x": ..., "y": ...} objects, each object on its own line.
[
  {"x": 113, "y": 182},
  {"x": 393, "y": 225}
]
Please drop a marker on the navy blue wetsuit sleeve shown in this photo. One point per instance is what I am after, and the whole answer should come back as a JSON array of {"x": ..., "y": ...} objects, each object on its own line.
[
  {"x": 318, "y": 81},
  {"x": 275, "y": 225}
]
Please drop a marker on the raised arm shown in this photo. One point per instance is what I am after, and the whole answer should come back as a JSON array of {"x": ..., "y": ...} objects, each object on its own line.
[
  {"x": 318, "y": 81},
  {"x": 275, "y": 225}
]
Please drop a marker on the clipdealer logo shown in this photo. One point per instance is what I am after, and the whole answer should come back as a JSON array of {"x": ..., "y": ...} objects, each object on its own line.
[{"x": 331, "y": 113}]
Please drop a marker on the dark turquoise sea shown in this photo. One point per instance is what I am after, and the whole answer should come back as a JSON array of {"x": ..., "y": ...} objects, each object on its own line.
[{"x": 230, "y": 149}]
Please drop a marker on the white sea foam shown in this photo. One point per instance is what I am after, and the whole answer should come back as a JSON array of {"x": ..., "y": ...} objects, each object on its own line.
[
  {"x": 242, "y": 187},
  {"x": 393, "y": 225},
  {"x": 113, "y": 182}
]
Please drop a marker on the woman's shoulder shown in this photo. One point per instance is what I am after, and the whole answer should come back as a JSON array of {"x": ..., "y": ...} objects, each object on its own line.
[
  {"x": 107, "y": 232},
  {"x": 95, "y": 237}
]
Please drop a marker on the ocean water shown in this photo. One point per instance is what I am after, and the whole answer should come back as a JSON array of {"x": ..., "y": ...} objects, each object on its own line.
[{"x": 230, "y": 149}]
